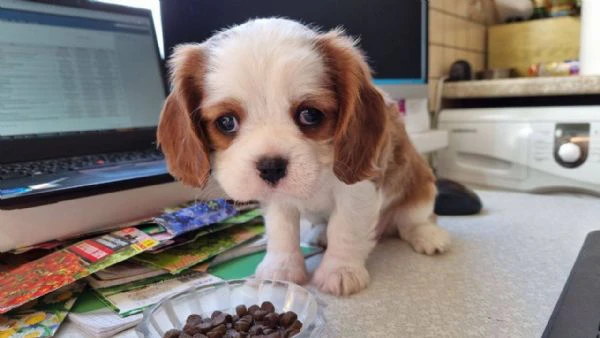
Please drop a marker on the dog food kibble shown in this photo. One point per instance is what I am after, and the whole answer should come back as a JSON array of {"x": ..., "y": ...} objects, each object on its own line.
[
  {"x": 172, "y": 334},
  {"x": 268, "y": 306},
  {"x": 205, "y": 326},
  {"x": 251, "y": 322},
  {"x": 242, "y": 326},
  {"x": 219, "y": 320},
  {"x": 192, "y": 329},
  {"x": 271, "y": 320},
  {"x": 287, "y": 318},
  {"x": 194, "y": 319},
  {"x": 233, "y": 334},
  {"x": 241, "y": 310},
  {"x": 259, "y": 315},
  {"x": 253, "y": 309}
]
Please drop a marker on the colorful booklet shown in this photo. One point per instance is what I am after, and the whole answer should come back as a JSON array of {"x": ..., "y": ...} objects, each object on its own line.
[
  {"x": 250, "y": 216},
  {"x": 133, "y": 298},
  {"x": 185, "y": 256},
  {"x": 104, "y": 322},
  {"x": 196, "y": 216},
  {"x": 53, "y": 271},
  {"x": 10, "y": 261},
  {"x": 92, "y": 315},
  {"x": 40, "y": 317},
  {"x": 44, "y": 246},
  {"x": 68, "y": 240},
  {"x": 122, "y": 273}
]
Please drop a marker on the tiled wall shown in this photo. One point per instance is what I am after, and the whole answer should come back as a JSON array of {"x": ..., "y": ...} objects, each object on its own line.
[{"x": 457, "y": 30}]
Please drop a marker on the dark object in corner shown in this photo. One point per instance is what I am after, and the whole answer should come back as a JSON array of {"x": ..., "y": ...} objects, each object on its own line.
[
  {"x": 576, "y": 312},
  {"x": 460, "y": 71},
  {"x": 455, "y": 199}
]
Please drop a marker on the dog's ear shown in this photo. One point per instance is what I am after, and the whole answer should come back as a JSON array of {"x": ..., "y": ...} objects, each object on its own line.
[
  {"x": 361, "y": 126},
  {"x": 180, "y": 133}
]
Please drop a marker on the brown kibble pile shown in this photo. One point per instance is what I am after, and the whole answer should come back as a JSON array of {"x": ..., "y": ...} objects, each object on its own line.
[{"x": 251, "y": 322}]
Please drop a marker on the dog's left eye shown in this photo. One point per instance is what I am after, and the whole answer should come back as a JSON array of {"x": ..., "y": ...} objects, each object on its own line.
[
  {"x": 309, "y": 117},
  {"x": 227, "y": 124}
]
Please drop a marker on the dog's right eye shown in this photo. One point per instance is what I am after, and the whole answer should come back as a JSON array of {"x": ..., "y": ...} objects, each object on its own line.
[
  {"x": 227, "y": 124},
  {"x": 309, "y": 117}
]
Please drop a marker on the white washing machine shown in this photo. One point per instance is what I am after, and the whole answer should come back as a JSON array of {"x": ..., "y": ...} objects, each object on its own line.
[{"x": 533, "y": 149}]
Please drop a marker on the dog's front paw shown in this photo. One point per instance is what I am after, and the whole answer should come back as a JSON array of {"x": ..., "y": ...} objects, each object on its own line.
[
  {"x": 339, "y": 277},
  {"x": 286, "y": 267},
  {"x": 428, "y": 239}
]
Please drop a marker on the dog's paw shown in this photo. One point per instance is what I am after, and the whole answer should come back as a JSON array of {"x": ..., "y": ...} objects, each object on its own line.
[
  {"x": 340, "y": 278},
  {"x": 285, "y": 267},
  {"x": 428, "y": 239}
]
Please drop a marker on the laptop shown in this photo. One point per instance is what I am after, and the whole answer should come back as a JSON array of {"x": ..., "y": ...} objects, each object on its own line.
[
  {"x": 577, "y": 311},
  {"x": 81, "y": 89}
]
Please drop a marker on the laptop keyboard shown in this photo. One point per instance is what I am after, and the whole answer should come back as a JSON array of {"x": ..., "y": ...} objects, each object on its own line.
[{"x": 46, "y": 167}]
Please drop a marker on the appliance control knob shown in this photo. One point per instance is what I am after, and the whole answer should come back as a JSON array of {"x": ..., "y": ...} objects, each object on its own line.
[{"x": 569, "y": 152}]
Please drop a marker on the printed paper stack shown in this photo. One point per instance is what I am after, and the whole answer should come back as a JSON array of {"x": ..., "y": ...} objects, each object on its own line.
[{"x": 127, "y": 270}]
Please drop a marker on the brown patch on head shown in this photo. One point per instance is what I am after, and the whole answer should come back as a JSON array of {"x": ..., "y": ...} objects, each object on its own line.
[
  {"x": 361, "y": 127},
  {"x": 218, "y": 140},
  {"x": 180, "y": 134},
  {"x": 326, "y": 102}
]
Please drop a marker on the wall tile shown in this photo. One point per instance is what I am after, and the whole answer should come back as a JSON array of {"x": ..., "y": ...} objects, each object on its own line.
[
  {"x": 439, "y": 4},
  {"x": 462, "y": 8},
  {"x": 476, "y": 38},
  {"x": 450, "y": 27},
  {"x": 432, "y": 86},
  {"x": 450, "y": 5},
  {"x": 449, "y": 58},
  {"x": 436, "y": 60},
  {"x": 436, "y": 32},
  {"x": 462, "y": 33},
  {"x": 461, "y": 54},
  {"x": 455, "y": 33},
  {"x": 478, "y": 61}
]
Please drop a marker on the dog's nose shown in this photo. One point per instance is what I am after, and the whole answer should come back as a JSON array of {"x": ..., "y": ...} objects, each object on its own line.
[{"x": 272, "y": 169}]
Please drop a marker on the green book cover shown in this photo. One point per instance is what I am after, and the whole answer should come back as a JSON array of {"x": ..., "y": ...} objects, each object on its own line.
[
  {"x": 185, "y": 256},
  {"x": 245, "y": 266}
]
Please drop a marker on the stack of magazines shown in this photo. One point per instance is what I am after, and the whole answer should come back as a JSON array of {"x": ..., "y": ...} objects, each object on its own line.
[{"x": 104, "y": 281}]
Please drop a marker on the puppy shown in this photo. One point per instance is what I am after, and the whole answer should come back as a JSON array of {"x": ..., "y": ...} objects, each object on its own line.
[{"x": 288, "y": 116}]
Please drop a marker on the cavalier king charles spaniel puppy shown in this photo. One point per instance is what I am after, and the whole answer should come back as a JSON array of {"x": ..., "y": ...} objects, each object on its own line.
[{"x": 283, "y": 114}]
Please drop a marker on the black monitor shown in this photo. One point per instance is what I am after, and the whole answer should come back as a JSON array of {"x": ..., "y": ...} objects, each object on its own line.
[{"x": 393, "y": 33}]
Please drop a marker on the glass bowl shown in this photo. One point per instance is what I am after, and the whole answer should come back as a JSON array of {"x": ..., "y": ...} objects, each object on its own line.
[{"x": 172, "y": 312}]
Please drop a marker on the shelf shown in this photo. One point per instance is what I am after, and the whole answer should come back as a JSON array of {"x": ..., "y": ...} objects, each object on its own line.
[
  {"x": 523, "y": 87},
  {"x": 429, "y": 141}
]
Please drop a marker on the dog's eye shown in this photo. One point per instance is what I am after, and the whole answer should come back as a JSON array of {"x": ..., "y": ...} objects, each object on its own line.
[
  {"x": 309, "y": 117},
  {"x": 227, "y": 124}
]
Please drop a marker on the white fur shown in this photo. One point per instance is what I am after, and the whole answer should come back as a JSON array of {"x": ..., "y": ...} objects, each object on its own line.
[
  {"x": 350, "y": 238},
  {"x": 416, "y": 227},
  {"x": 266, "y": 65}
]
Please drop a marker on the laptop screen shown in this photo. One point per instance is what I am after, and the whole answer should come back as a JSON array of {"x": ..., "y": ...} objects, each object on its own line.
[{"x": 69, "y": 70}]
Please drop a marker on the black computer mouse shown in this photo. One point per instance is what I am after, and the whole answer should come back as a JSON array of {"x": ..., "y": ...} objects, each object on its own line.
[{"x": 455, "y": 199}]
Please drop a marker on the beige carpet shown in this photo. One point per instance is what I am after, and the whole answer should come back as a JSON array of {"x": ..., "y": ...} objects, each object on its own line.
[{"x": 501, "y": 278}]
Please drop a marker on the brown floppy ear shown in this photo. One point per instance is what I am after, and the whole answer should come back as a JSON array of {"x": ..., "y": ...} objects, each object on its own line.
[
  {"x": 180, "y": 134},
  {"x": 361, "y": 126}
]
